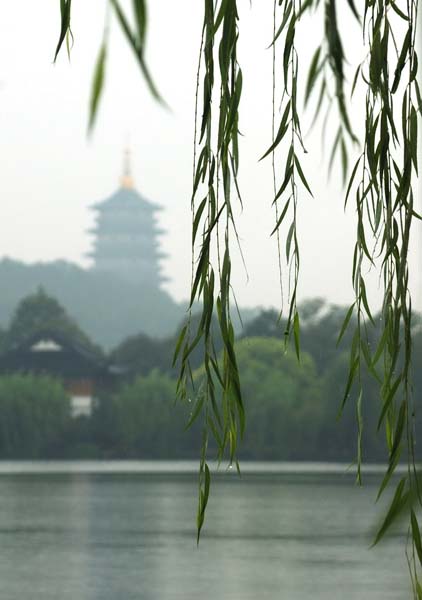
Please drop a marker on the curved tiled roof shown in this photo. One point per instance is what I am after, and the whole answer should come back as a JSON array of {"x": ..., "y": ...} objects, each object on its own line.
[{"x": 126, "y": 197}]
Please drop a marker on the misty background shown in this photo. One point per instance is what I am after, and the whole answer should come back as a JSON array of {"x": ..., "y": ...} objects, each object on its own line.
[{"x": 51, "y": 172}]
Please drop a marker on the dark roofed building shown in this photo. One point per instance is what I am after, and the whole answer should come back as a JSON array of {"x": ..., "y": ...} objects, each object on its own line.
[
  {"x": 126, "y": 235},
  {"x": 81, "y": 369}
]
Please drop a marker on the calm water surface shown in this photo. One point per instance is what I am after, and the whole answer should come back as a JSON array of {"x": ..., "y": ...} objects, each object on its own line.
[{"x": 86, "y": 531}]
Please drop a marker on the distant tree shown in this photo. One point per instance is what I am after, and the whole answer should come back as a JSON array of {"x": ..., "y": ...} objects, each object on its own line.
[
  {"x": 266, "y": 324},
  {"x": 34, "y": 416},
  {"x": 282, "y": 399},
  {"x": 143, "y": 421},
  {"x": 39, "y": 312},
  {"x": 140, "y": 354},
  {"x": 321, "y": 325}
]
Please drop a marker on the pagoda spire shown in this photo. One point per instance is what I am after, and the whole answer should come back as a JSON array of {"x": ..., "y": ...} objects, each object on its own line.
[{"x": 126, "y": 179}]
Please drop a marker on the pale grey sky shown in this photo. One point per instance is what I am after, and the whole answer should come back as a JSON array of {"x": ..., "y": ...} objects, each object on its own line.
[{"x": 50, "y": 173}]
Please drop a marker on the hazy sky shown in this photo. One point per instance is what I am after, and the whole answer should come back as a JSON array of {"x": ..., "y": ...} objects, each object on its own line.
[{"x": 50, "y": 173}]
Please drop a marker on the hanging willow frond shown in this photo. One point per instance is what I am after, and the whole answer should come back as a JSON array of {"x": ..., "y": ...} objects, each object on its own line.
[
  {"x": 381, "y": 183},
  {"x": 219, "y": 400},
  {"x": 384, "y": 201}
]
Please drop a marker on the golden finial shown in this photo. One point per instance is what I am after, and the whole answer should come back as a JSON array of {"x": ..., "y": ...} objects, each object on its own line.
[{"x": 126, "y": 179}]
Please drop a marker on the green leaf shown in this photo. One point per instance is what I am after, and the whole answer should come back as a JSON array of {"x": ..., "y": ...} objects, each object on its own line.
[
  {"x": 179, "y": 343},
  {"x": 203, "y": 497},
  {"x": 414, "y": 71},
  {"x": 353, "y": 9},
  {"x": 414, "y": 138},
  {"x": 359, "y": 420},
  {"x": 312, "y": 74},
  {"x": 137, "y": 48},
  {"x": 387, "y": 476},
  {"x": 286, "y": 15},
  {"x": 97, "y": 85},
  {"x": 288, "y": 45},
  {"x": 140, "y": 11},
  {"x": 281, "y": 131},
  {"x": 289, "y": 240},
  {"x": 65, "y": 12},
  {"x": 344, "y": 159},
  {"x": 416, "y": 535},
  {"x": 352, "y": 178},
  {"x": 197, "y": 218},
  {"x": 220, "y": 16},
  {"x": 287, "y": 179},
  {"x": 402, "y": 60},
  {"x": 380, "y": 347},
  {"x": 365, "y": 300},
  {"x": 333, "y": 149},
  {"x": 345, "y": 323},
  {"x": 398, "y": 11},
  {"x": 197, "y": 409},
  {"x": 296, "y": 334},
  {"x": 418, "y": 96},
  {"x": 351, "y": 377},
  {"x": 281, "y": 217},
  {"x": 355, "y": 79},
  {"x": 399, "y": 501},
  {"x": 301, "y": 175}
]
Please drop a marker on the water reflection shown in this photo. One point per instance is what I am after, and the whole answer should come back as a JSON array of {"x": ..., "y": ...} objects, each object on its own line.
[{"x": 123, "y": 536}]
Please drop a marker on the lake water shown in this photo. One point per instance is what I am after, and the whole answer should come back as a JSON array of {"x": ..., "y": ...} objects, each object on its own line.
[{"x": 122, "y": 531}]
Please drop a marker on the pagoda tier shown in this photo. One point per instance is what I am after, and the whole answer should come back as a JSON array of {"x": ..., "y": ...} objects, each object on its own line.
[{"x": 126, "y": 237}]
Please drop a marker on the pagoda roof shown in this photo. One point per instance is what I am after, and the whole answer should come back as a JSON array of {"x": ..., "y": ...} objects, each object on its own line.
[{"x": 126, "y": 197}]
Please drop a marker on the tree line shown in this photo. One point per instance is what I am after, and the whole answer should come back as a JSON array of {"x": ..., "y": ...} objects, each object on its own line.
[{"x": 292, "y": 406}]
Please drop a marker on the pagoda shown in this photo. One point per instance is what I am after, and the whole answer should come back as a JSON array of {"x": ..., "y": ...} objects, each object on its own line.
[{"x": 126, "y": 235}]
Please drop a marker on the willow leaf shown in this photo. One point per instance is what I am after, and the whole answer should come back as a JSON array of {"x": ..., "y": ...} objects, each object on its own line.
[
  {"x": 345, "y": 323},
  {"x": 203, "y": 498},
  {"x": 416, "y": 534},
  {"x": 296, "y": 334},
  {"x": 414, "y": 71},
  {"x": 402, "y": 60},
  {"x": 288, "y": 45},
  {"x": 399, "y": 501},
  {"x": 289, "y": 240},
  {"x": 286, "y": 15},
  {"x": 414, "y": 138},
  {"x": 179, "y": 343},
  {"x": 137, "y": 48},
  {"x": 65, "y": 12},
  {"x": 281, "y": 217},
  {"x": 140, "y": 11},
  {"x": 418, "y": 96},
  {"x": 287, "y": 178},
  {"x": 97, "y": 85},
  {"x": 351, "y": 377},
  {"x": 301, "y": 175},
  {"x": 281, "y": 130},
  {"x": 365, "y": 300},
  {"x": 197, "y": 218},
  {"x": 352, "y": 7},
  {"x": 197, "y": 409},
  {"x": 352, "y": 178},
  {"x": 359, "y": 420},
  {"x": 312, "y": 74},
  {"x": 398, "y": 11}
]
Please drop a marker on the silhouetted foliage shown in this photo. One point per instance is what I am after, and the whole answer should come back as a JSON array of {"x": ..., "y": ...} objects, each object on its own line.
[{"x": 38, "y": 313}]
